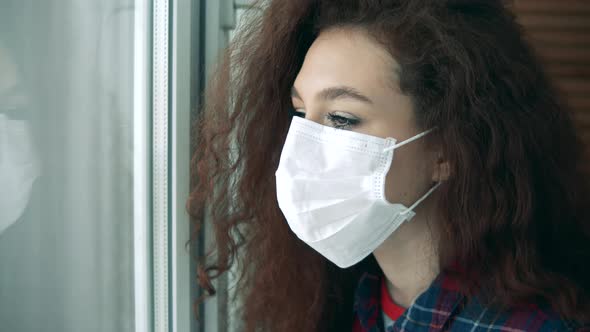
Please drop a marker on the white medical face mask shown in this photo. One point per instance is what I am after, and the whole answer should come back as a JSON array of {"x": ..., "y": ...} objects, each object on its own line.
[
  {"x": 19, "y": 168},
  {"x": 331, "y": 189}
]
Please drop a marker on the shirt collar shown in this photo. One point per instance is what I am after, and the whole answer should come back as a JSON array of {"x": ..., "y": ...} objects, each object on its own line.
[
  {"x": 436, "y": 305},
  {"x": 367, "y": 307}
]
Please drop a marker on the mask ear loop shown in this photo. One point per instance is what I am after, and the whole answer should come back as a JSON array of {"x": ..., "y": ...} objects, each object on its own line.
[
  {"x": 411, "y": 208},
  {"x": 409, "y": 140}
]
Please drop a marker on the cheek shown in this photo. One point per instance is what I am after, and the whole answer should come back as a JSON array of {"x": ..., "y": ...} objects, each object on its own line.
[{"x": 408, "y": 177}]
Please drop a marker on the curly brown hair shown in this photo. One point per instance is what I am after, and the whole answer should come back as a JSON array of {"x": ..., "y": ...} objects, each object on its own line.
[{"x": 515, "y": 212}]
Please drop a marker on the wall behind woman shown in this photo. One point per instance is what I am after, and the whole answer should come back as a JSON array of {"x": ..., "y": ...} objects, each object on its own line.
[{"x": 560, "y": 32}]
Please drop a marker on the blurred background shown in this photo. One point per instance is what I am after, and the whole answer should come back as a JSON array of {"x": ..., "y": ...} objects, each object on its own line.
[{"x": 96, "y": 98}]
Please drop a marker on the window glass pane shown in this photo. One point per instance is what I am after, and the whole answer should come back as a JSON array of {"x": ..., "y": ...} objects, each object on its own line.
[{"x": 66, "y": 165}]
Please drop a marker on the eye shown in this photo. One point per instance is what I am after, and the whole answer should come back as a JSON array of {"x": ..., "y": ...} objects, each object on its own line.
[
  {"x": 343, "y": 120},
  {"x": 295, "y": 112}
]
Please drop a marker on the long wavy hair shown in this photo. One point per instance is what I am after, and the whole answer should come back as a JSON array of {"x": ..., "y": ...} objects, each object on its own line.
[{"x": 514, "y": 212}]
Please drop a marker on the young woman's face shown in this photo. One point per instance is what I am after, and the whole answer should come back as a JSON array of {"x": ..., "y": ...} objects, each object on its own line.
[{"x": 349, "y": 81}]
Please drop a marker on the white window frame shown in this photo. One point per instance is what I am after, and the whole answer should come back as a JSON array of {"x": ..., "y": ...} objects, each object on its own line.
[
  {"x": 141, "y": 167},
  {"x": 161, "y": 165}
]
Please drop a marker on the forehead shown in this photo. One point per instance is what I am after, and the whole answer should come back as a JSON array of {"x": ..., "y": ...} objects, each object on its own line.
[{"x": 348, "y": 56}]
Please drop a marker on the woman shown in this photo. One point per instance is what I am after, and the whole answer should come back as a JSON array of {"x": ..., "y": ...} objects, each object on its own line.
[{"x": 393, "y": 165}]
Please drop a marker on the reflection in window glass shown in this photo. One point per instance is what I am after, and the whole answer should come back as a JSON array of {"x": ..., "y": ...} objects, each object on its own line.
[{"x": 66, "y": 154}]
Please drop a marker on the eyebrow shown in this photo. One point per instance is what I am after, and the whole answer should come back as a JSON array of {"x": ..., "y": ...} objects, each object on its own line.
[{"x": 337, "y": 92}]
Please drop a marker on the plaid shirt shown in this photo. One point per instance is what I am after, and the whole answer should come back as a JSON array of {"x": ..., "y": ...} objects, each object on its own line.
[{"x": 442, "y": 308}]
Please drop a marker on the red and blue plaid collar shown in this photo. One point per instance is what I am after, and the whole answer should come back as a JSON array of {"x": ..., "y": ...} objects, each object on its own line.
[{"x": 432, "y": 309}]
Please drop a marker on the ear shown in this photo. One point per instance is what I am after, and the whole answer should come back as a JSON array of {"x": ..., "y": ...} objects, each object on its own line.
[{"x": 442, "y": 169}]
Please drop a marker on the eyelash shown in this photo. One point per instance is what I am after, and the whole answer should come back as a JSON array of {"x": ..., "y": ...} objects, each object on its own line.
[
  {"x": 337, "y": 121},
  {"x": 342, "y": 122},
  {"x": 293, "y": 112}
]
